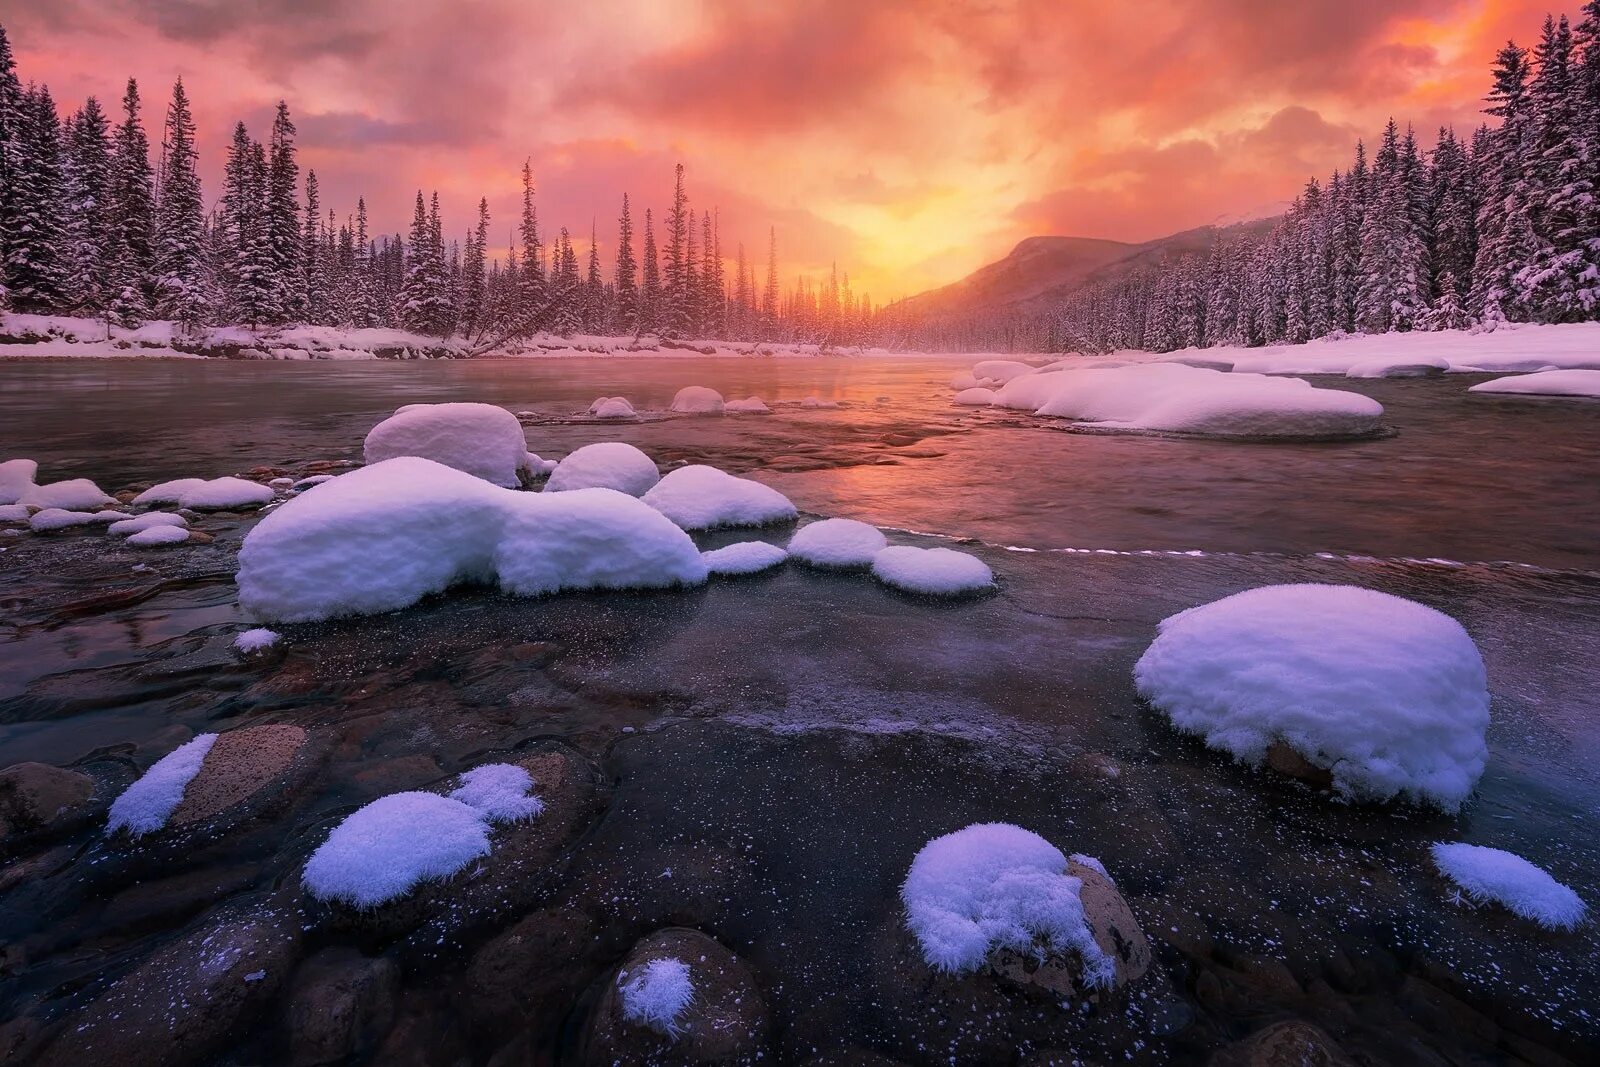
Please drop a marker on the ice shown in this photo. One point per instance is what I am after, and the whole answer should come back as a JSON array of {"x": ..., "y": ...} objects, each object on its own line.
[
  {"x": 1399, "y": 366},
  {"x": 698, "y": 497},
  {"x": 61, "y": 519},
  {"x": 77, "y": 494},
  {"x": 817, "y": 402},
  {"x": 384, "y": 850},
  {"x": 16, "y": 478},
  {"x": 138, "y": 523},
  {"x": 612, "y": 407},
  {"x": 607, "y": 465},
  {"x": 1545, "y": 383},
  {"x": 697, "y": 400},
  {"x": 157, "y": 536},
  {"x": 226, "y": 494},
  {"x": 974, "y": 398},
  {"x": 1386, "y": 694},
  {"x": 997, "y": 886},
  {"x": 310, "y": 483},
  {"x": 1492, "y": 875},
  {"x": 256, "y": 640},
  {"x": 168, "y": 492},
  {"x": 932, "y": 571},
  {"x": 656, "y": 994},
  {"x": 750, "y": 405},
  {"x": 837, "y": 543},
  {"x": 500, "y": 792},
  {"x": 147, "y": 804},
  {"x": 481, "y": 439},
  {"x": 745, "y": 557}
]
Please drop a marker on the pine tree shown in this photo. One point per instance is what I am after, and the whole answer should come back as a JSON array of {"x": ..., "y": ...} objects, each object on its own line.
[
  {"x": 626, "y": 275},
  {"x": 179, "y": 235},
  {"x": 710, "y": 280},
  {"x": 1563, "y": 283},
  {"x": 1454, "y": 232},
  {"x": 474, "y": 278},
  {"x": 423, "y": 300},
  {"x": 10, "y": 114},
  {"x": 133, "y": 208},
  {"x": 363, "y": 305},
  {"x": 283, "y": 217},
  {"x": 534, "y": 301},
  {"x": 1507, "y": 245},
  {"x": 594, "y": 291},
  {"x": 253, "y": 279},
  {"x": 769, "y": 295},
  {"x": 34, "y": 234},
  {"x": 87, "y": 250},
  {"x": 566, "y": 299},
  {"x": 676, "y": 319},
  {"x": 315, "y": 300},
  {"x": 650, "y": 287}
]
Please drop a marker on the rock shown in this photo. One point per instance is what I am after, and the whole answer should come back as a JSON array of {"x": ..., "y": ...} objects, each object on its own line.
[
  {"x": 245, "y": 771},
  {"x": 185, "y": 1001},
  {"x": 167, "y": 901},
  {"x": 200, "y": 537},
  {"x": 1286, "y": 761},
  {"x": 342, "y": 1002},
  {"x": 1292, "y": 1043},
  {"x": 36, "y": 798},
  {"x": 531, "y": 973},
  {"x": 724, "y": 1022},
  {"x": 1115, "y": 930}
]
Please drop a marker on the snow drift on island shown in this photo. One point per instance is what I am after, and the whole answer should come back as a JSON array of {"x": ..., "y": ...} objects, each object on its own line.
[
  {"x": 746, "y": 557},
  {"x": 837, "y": 543},
  {"x": 932, "y": 571},
  {"x": 1585, "y": 383}
]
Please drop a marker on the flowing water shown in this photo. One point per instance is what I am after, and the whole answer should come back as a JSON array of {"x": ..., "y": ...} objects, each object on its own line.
[{"x": 779, "y": 748}]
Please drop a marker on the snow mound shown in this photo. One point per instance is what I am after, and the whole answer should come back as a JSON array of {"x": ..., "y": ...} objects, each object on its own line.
[
  {"x": 383, "y": 537},
  {"x": 963, "y": 380},
  {"x": 481, "y": 439},
  {"x": 225, "y": 494},
  {"x": 61, "y": 519},
  {"x": 14, "y": 513},
  {"x": 974, "y": 398},
  {"x": 16, "y": 479},
  {"x": 499, "y": 792},
  {"x": 384, "y": 850},
  {"x": 168, "y": 492},
  {"x": 656, "y": 994},
  {"x": 999, "y": 371},
  {"x": 697, "y": 400},
  {"x": 818, "y": 402},
  {"x": 837, "y": 543},
  {"x": 997, "y": 886},
  {"x": 126, "y": 526},
  {"x": 157, "y": 536},
  {"x": 607, "y": 465},
  {"x": 1029, "y": 392},
  {"x": 932, "y": 571},
  {"x": 1399, "y": 366},
  {"x": 77, "y": 494},
  {"x": 746, "y": 557},
  {"x": 1492, "y": 875},
  {"x": 255, "y": 640},
  {"x": 147, "y": 804},
  {"x": 612, "y": 407},
  {"x": 1182, "y": 399},
  {"x": 1386, "y": 694},
  {"x": 1545, "y": 383},
  {"x": 540, "y": 467},
  {"x": 750, "y": 405},
  {"x": 698, "y": 497}
]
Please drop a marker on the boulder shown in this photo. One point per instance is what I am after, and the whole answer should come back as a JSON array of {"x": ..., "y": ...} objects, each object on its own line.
[
  {"x": 1115, "y": 930},
  {"x": 341, "y": 1003},
  {"x": 529, "y": 976},
  {"x": 1291, "y": 1043},
  {"x": 246, "y": 771},
  {"x": 36, "y": 798}
]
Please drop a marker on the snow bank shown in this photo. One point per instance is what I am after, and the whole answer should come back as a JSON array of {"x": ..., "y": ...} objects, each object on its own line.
[
  {"x": 697, "y": 400},
  {"x": 612, "y": 407},
  {"x": 226, "y": 494},
  {"x": 698, "y": 497},
  {"x": 383, "y": 537},
  {"x": 157, "y": 536},
  {"x": 1399, "y": 365},
  {"x": 499, "y": 792},
  {"x": 837, "y": 543},
  {"x": 999, "y": 371},
  {"x": 76, "y": 494},
  {"x": 1030, "y": 391},
  {"x": 1386, "y": 694},
  {"x": 750, "y": 405},
  {"x": 168, "y": 492},
  {"x": 974, "y": 398},
  {"x": 481, "y": 439},
  {"x": 656, "y": 994},
  {"x": 1545, "y": 383},
  {"x": 61, "y": 519},
  {"x": 746, "y": 557},
  {"x": 1177, "y": 398},
  {"x": 14, "y": 513},
  {"x": 1492, "y": 875},
  {"x": 16, "y": 478},
  {"x": 607, "y": 465},
  {"x": 997, "y": 886},
  {"x": 932, "y": 571},
  {"x": 255, "y": 640},
  {"x": 384, "y": 850},
  {"x": 126, "y": 526},
  {"x": 147, "y": 804}
]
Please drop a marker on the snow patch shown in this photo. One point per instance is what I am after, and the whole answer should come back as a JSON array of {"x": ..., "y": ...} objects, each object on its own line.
[
  {"x": 225, "y": 494},
  {"x": 1493, "y": 875},
  {"x": 138, "y": 523},
  {"x": 500, "y": 792},
  {"x": 1545, "y": 383},
  {"x": 697, "y": 400},
  {"x": 76, "y": 494},
  {"x": 607, "y": 465},
  {"x": 612, "y": 407},
  {"x": 746, "y": 557},
  {"x": 61, "y": 519},
  {"x": 147, "y": 804},
  {"x": 657, "y": 994},
  {"x": 156, "y": 536},
  {"x": 384, "y": 850},
  {"x": 16, "y": 479},
  {"x": 750, "y": 405},
  {"x": 255, "y": 640},
  {"x": 698, "y": 497},
  {"x": 837, "y": 543},
  {"x": 168, "y": 492},
  {"x": 480, "y": 439},
  {"x": 932, "y": 571},
  {"x": 974, "y": 398}
]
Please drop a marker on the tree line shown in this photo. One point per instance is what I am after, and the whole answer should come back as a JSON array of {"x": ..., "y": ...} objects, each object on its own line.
[
  {"x": 1501, "y": 227},
  {"x": 90, "y": 227}
]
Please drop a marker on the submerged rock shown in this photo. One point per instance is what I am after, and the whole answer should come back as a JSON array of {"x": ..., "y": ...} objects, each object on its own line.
[
  {"x": 1291, "y": 1043},
  {"x": 36, "y": 798},
  {"x": 245, "y": 771},
  {"x": 342, "y": 1002}
]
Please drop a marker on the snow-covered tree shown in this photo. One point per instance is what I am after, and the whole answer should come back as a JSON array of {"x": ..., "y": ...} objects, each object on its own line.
[{"x": 179, "y": 269}]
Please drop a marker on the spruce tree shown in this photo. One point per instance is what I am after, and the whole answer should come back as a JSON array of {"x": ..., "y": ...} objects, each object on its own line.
[
  {"x": 626, "y": 275},
  {"x": 474, "y": 278},
  {"x": 88, "y": 250},
  {"x": 594, "y": 293},
  {"x": 283, "y": 217},
  {"x": 676, "y": 317},
  {"x": 179, "y": 235},
  {"x": 34, "y": 234},
  {"x": 650, "y": 287},
  {"x": 363, "y": 306},
  {"x": 1507, "y": 244},
  {"x": 315, "y": 299},
  {"x": 10, "y": 114},
  {"x": 132, "y": 208},
  {"x": 533, "y": 300}
]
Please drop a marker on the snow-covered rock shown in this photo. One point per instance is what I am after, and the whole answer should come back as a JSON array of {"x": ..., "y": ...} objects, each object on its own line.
[
  {"x": 383, "y": 537},
  {"x": 994, "y": 886},
  {"x": 384, "y": 850},
  {"x": 157, "y": 536},
  {"x": 1387, "y": 695},
  {"x": 746, "y": 557},
  {"x": 168, "y": 492},
  {"x": 481, "y": 439},
  {"x": 656, "y": 994},
  {"x": 226, "y": 494},
  {"x": 1028, "y": 392},
  {"x": 1545, "y": 383},
  {"x": 974, "y": 398},
  {"x": 837, "y": 543},
  {"x": 16, "y": 478},
  {"x": 60, "y": 519},
  {"x": 1491, "y": 875},
  {"x": 932, "y": 571},
  {"x": 963, "y": 380},
  {"x": 1399, "y": 365},
  {"x": 697, "y": 400},
  {"x": 14, "y": 513},
  {"x": 607, "y": 465},
  {"x": 147, "y": 804},
  {"x": 698, "y": 497},
  {"x": 999, "y": 371},
  {"x": 750, "y": 405},
  {"x": 612, "y": 407},
  {"x": 126, "y": 526},
  {"x": 310, "y": 483},
  {"x": 76, "y": 494},
  {"x": 258, "y": 639},
  {"x": 539, "y": 467}
]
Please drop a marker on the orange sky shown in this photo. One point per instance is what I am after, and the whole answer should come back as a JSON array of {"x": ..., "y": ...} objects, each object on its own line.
[{"x": 912, "y": 140}]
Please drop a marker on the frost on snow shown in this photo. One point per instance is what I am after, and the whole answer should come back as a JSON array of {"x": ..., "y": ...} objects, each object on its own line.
[
  {"x": 126, "y": 526},
  {"x": 382, "y": 851},
  {"x": 157, "y": 536},
  {"x": 383, "y": 537},
  {"x": 612, "y": 407},
  {"x": 1494, "y": 875},
  {"x": 746, "y": 557},
  {"x": 656, "y": 994},
  {"x": 697, "y": 400},
  {"x": 255, "y": 640},
  {"x": 932, "y": 571},
  {"x": 481, "y": 439},
  {"x": 499, "y": 792},
  {"x": 77, "y": 494},
  {"x": 997, "y": 886},
  {"x": 146, "y": 805},
  {"x": 837, "y": 543},
  {"x": 1545, "y": 383},
  {"x": 223, "y": 494},
  {"x": 750, "y": 405},
  {"x": 698, "y": 497},
  {"x": 16, "y": 478},
  {"x": 1387, "y": 694},
  {"x": 607, "y": 465}
]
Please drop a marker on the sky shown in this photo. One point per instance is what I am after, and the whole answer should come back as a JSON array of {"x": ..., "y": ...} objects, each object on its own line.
[{"x": 910, "y": 141}]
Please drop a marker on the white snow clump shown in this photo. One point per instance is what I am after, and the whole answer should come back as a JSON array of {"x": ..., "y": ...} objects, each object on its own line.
[
  {"x": 255, "y": 640},
  {"x": 974, "y": 398},
  {"x": 125, "y": 526},
  {"x": 698, "y": 497},
  {"x": 697, "y": 400},
  {"x": 612, "y": 407},
  {"x": 384, "y": 850},
  {"x": 224, "y": 494},
  {"x": 76, "y": 494},
  {"x": 60, "y": 519},
  {"x": 837, "y": 543},
  {"x": 656, "y": 994},
  {"x": 932, "y": 571},
  {"x": 1545, "y": 383},
  {"x": 746, "y": 557},
  {"x": 147, "y": 804},
  {"x": 500, "y": 792},
  {"x": 156, "y": 536},
  {"x": 1494, "y": 875},
  {"x": 750, "y": 405},
  {"x": 607, "y": 465},
  {"x": 16, "y": 478},
  {"x": 481, "y": 439}
]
